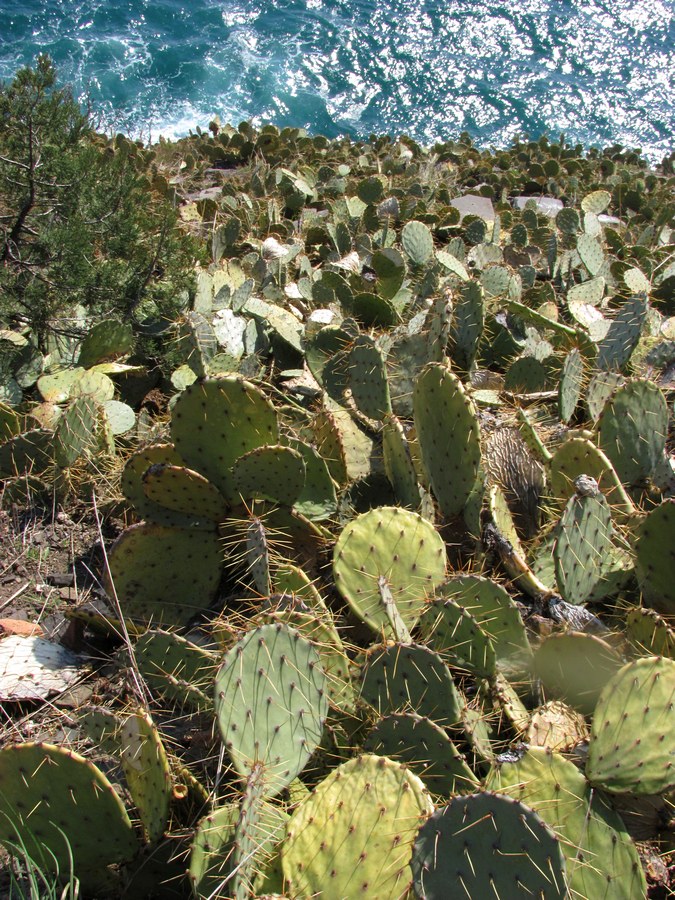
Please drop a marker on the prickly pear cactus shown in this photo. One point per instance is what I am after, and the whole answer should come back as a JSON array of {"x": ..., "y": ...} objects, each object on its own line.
[
  {"x": 213, "y": 851},
  {"x": 410, "y": 678},
  {"x": 353, "y": 835},
  {"x": 654, "y": 564},
  {"x": 601, "y": 859},
  {"x": 398, "y": 546},
  {"x": 60, "y": 810},
  {"x": 425, "y": 747},
  {"x": 182, "y": 491},
  {"x": 631, "y": 745},
  {"x": 505, "y": 850},
  {"x": 146, "y": 768},
  {"x": 632, "y": 430},
  {"x": 164, "y": 575},
  {"x": 271, "y": 704},
  {"x": 215, "y": 421},
  {"x": 583, "y": 542},
  {"x": 448, "y": 436}
]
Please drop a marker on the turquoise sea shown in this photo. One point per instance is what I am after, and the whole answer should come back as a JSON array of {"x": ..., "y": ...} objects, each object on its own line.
[{"x": 601, "y": 71}]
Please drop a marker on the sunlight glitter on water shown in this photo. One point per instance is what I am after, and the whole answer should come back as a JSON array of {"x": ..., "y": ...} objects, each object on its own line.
[{"x": 601, "y": 71}]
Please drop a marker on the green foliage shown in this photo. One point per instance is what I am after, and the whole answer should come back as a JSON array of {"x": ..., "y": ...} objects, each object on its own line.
[{"x": 79, "y": 224}]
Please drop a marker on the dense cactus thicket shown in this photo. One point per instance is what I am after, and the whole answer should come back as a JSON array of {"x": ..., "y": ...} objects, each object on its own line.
[{"x": 401, "y": 552}]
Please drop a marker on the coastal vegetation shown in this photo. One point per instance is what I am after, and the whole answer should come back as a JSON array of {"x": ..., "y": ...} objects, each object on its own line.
[{"x": 383, "y": 435}]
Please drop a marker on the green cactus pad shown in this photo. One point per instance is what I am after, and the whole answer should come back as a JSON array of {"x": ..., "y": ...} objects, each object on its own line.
[
  {"x": 591, "y": 253},
  {"x": 583, "y": 543},
  {"x": 30, "y": 453},
  {"x": 487, "y": 845},
  {"x": 600, "y": 388},
  {"x": 317, "y": 499},
  {"x": 214, "y": 422},
  {"x": 272, "y": 472},
  {"x": 649, "y": 634},
  {"x": 575, "y": 667},
  {"x": 578, "y": 456},
  {"x": 602, "y": 861},
  {"x": 318, "y": 627},
  {"x": 468, "y": 324},
  {"x": 213, "y": 850},
  {"x": 346, "y": 449},
  {"x": 132, "y": 487},
  {"x": 448, "y": 436},
  {"x": 410, "y": 678},
  {"x": 418, "y": 742},
  {"x": 368, "y": 378},
  {"x": 454, "y": 633},
  {"x": 398, "y": 463},
  {"x": 631, "y": 745},
  {"x": 493, "y": 609},
  {"x": 164, "y": 575},
  {"x": 146, "y": 769},
  {"x": 571, "y": 384},
  {"x": 76, "y": 431},
  {"x": 353, "y": 836},
  {"x": 52, "y": 806},
  {"x": 168, "y": 662},
  {"x": 616, "y": 348},
  {"x": 105, "y": 340},
  {"x": 101, "y": 726},
  {"x": 271, "y": 703},
  {"x": 183, "y": 491},
  {"x": 394, "y": 544},
  {"x": 655, "y": 557},
  {"x": 632, "y": 430},
  {"x": 417, "y": 242}
]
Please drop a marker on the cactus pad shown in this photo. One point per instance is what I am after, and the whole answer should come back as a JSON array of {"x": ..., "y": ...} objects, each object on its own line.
[
  {"x": 454, "y": 633},
  {"x": 271, "y": 703},
  {"x": 631, "y": 745},
  {"x": 52, "y": 805},
  {"x": 399, "y": 546},
  {"x": 583, "y": 543},
  {"x": 272, "y": 473},
  {"x": 410, "y": 678},
  {"x": 632, "y": 430},
  {"x": 418, "y": 742},
  {"x": 164, "y": 575},
  {"x": 575, "y": 667},
  {"x": 146, "y": 769},
  {"x": 448, "y": 435},
  {"x": 602, "y": 861},
  {"x": 213, "y": 850},
  {"x": 183, "y": 491},
  {"x": 214, "y": 422},
  {"x": 655, "y": 557},
  {"x": 353, "y": 835},
  {"x": 487, "y": 845},
  {"x": 491, "y": 606}
]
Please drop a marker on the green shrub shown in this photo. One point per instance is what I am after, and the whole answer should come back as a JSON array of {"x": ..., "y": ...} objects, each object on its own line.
[{"x": 79, "y": 222}]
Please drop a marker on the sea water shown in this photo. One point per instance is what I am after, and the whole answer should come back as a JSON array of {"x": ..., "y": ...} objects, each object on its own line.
[{"x": 599, "y": 71}]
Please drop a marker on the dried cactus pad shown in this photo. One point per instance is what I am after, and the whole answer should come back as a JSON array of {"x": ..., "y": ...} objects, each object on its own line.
[
  {"x": 352, "y": 837},
  {"x": 631, "y": 746},
  {"x": 397, "y": 545},
  {"x": 487, "y": 845},
  {"x": 54, "y": 804}
]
